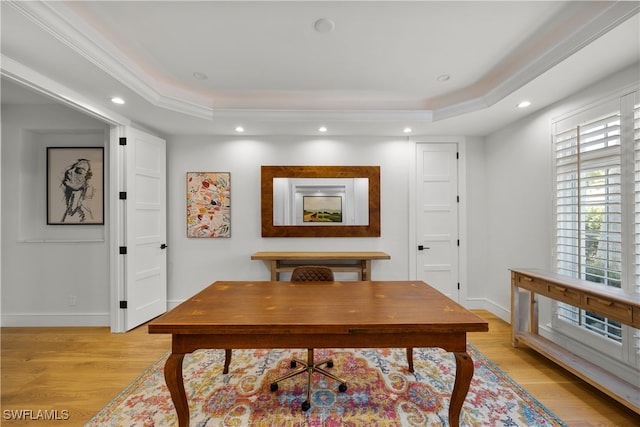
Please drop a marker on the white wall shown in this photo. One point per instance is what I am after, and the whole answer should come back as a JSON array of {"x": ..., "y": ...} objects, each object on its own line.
[
  {"x": 475, "y": 212},
  {"x": 506, "y": 206},
  {"x": 42, "y": 266},
  {"x": 195, "y": 263},
  {"x": 519, "y": 190},
  {"x": 45, "y": 265}
]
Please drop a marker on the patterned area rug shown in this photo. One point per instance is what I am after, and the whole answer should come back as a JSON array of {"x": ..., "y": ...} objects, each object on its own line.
[{"x": 381, "y": 392}]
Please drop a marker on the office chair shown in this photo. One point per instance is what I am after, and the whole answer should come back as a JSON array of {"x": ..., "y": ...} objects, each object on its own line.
[{"x": 310, "y": 274}]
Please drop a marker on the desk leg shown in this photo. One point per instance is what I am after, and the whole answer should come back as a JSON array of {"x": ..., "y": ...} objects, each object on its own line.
[
  {"x": 175, "y": 384},
  {"x": 464, "y": 373},
  {"x": 227, "y": 360}
]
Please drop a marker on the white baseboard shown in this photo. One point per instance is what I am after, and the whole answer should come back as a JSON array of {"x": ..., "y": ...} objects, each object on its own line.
[
  {"x": 485, "y": 304},
  {"x": 55, "y": 319}
]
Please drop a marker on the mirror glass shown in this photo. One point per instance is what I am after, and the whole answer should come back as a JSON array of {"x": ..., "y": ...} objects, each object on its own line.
[{"x": 320, "y": 201}]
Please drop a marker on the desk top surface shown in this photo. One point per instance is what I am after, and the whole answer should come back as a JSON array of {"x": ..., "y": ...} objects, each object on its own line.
[
  {"x": 266, "y": 307},
  {"x": 319, "y": 255}
]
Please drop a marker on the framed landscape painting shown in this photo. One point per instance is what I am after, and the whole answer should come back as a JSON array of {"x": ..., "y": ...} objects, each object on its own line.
[
  {"x": 322, "y": 208},
  {"x": 75, "y": 185},
  {"x": 208, "y": 204}
]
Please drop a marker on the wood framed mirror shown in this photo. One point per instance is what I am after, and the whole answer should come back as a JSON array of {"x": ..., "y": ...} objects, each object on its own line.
[{"x": 320, "y": 201}]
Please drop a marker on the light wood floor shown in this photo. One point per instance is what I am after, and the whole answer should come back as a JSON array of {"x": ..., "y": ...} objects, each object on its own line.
[{"x": 81, "y": 369}]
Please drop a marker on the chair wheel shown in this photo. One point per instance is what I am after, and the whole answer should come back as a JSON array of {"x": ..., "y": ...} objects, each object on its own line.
[
  {"x": 342, "y": 388},
  {"x": 330, "y": 364},
  {"x": 306, "y": 405},
  {"x": 293, "y": 364},
  {"x": 274, "y": 386}
]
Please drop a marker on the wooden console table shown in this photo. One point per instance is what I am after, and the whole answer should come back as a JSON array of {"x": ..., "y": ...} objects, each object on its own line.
[
  {"x": 616, "y": 304},
  {"x": 358, "y": 262}
]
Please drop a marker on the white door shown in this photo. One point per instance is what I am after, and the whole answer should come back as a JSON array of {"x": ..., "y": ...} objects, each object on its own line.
[
  {"x": 145, "y": 218},
  {"x": 437, "y": 217}
]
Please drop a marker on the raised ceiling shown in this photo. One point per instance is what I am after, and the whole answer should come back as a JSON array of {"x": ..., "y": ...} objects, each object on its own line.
[{"x": 287, "y": 67}]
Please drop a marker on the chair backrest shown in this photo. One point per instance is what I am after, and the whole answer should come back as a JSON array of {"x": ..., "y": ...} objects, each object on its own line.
[{"x": 312, "y": 273}]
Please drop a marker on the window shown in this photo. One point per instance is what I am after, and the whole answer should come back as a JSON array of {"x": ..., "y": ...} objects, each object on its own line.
[
  {"x": 597, "y": 208},
  {"x": 636, "y": 182}
]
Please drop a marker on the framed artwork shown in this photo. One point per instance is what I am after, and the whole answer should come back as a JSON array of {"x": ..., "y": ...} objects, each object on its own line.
[
  {"x": 322, "y": 208},
  {"x": 75, "y": 185},
  {"x": 208, "y": 204},
  {"x": 369, "y": 203}
]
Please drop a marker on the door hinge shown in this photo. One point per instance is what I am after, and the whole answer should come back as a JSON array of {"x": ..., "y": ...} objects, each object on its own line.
[
  {"x": 123, "y": 195},
  {"x": 458, "y": 199},
  {"x": 123, "y": 250},
  {"x": 458, "y": 285},
  {"x": 123, "y": 140},
  {"x": 457, "y": 155},
  {"x": 123, "y": 304},
  {"x": 458, "y": 242}
]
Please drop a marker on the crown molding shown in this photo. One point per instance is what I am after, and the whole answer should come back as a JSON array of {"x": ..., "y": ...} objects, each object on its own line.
[
  {"x": 579, "y": 24},
  {"x": 602, "y": 18},
  {"x": 574, "y": 29},
  {"x": 39, "y": 83},
  {"x": 62, "y": 23},
  {"x": 422, "y": 116}
]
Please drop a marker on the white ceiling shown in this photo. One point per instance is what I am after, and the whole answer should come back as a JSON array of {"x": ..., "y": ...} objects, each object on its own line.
[{"x": 268, "y": 69}]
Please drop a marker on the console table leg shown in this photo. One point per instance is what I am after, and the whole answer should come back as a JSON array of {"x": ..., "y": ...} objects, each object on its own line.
[
  {"x": 366, "y": 274},
  {"x": 515, "y": 312},
  {"x": 175, "y": 384},
  {"x": 464, "y": 373}
]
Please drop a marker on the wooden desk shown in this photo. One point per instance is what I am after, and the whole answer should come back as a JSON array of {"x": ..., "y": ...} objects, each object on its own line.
[
  {"x": 358, "y": 262},
  {"x": 318, "y": 315},
  {"x": 614, "y": 303}
]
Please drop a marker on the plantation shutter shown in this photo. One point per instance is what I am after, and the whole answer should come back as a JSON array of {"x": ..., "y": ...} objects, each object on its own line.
[
  {"x": 636, "y": 133},
  {"x": 636, "y": 209},
  {"x": 589, "y": 208},
  {"x": 597, "y": 209},
  {"x": 588, "y": 200}
]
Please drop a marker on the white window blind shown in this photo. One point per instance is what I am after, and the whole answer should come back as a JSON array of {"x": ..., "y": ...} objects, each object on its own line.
[
  {"x": 636, "y": 204},
  {"x": 597, "y": 207},
  {"x": 636, "y": 227},
  {"x": 588, "y": 200}
]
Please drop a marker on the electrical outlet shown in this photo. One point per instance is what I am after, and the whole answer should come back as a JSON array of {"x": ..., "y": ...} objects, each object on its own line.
[{"x": 73, "y": 300}]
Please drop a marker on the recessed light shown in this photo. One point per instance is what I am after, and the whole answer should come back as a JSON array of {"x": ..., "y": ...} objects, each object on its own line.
[
  {"x": 239, "y": 129},
  {"x": 524, "y": 104},
  {"x": 200, "y": 76},
  {"x": 117, "y": 100},
  {"x": 443, "y": 77},
  {"x": 322, "y": 129},
  {"x": 407, "y": 130}
]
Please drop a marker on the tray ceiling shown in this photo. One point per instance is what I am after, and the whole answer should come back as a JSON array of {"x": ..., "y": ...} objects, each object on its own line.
[{"x": 371, "y": 67}]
